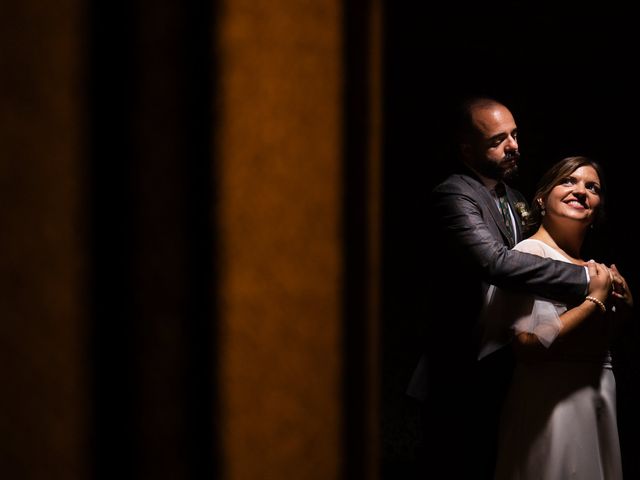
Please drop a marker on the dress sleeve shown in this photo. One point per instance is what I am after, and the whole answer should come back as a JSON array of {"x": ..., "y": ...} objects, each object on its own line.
[
  {"x": 507, "y": 314},
  {"x": 543, "y": 320},
  {"x": 543, "y": 317}
]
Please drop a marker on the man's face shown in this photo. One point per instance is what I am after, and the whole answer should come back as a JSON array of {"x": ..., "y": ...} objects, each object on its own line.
[{"x": 493, "y": 149}]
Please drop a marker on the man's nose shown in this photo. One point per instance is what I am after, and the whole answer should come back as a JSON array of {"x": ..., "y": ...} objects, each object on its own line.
[{"x": 512, "y": 143}]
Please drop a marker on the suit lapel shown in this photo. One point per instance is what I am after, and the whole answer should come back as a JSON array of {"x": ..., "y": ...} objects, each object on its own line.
[
  {"x": 485, "y": 196},
  {"x": 511, "y": 198}
]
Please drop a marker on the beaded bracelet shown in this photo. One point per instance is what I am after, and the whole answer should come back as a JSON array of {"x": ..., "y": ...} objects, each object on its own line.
[{"x": 597, "y": 302}]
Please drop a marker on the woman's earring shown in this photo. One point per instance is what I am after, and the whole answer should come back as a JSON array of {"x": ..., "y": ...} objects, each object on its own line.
[{"x": 542, "y": 210}]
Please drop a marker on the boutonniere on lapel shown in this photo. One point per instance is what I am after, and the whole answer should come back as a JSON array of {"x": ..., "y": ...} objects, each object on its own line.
[{"x": 522, "y": 210}]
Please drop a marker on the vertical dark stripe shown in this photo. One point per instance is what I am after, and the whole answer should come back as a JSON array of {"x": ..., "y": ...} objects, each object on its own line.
[
  {"x": 123, "y": 308},
  {"x": 110, "y": 104},
  {"x": 356, "y": 246},
  {"x": 201, "y": 378}
]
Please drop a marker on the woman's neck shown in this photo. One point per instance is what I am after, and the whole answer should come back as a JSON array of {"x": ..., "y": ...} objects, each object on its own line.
[{"x": 567, "y": 241}]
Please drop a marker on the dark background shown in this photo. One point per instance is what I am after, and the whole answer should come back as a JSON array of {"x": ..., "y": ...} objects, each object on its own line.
[{"x": 569, "y": 80}]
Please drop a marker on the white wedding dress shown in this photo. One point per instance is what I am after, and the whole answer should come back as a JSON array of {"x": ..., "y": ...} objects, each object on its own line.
[{"x": 559, "y": 418}]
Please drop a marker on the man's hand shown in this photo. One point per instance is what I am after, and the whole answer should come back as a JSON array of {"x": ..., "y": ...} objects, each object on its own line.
[{"x": 621, "y": 290}]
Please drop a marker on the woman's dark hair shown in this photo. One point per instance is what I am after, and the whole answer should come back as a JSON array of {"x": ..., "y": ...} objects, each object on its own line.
[{"x": 554, "y": 176}]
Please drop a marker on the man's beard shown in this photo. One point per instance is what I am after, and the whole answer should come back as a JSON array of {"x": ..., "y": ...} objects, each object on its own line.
[
  {"x": 510, "y": 173},
  {"x": 497, "y": 171}
]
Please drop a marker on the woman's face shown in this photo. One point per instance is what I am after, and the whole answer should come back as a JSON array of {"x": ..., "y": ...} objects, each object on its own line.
[{"x": 576, "y": 197}]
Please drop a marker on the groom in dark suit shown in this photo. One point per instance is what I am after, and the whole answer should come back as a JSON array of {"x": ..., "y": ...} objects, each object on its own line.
[{"x": 476, "y": 219}]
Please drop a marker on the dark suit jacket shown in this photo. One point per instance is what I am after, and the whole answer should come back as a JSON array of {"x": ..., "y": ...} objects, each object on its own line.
[{"x": 469, "y": 251}]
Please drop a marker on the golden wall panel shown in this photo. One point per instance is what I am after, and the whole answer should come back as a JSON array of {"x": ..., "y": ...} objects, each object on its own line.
[{"x": 278, "y": 156}]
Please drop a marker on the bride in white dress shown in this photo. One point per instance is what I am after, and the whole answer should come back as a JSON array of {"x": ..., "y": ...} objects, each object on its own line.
[{"x": 559, "y": 417}]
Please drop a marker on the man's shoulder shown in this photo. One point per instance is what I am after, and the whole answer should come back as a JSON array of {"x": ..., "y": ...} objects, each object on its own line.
[{"x": 458, "y": 182}]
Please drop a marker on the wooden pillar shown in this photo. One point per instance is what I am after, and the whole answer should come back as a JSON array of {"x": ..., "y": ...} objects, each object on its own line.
[
  {"x": 278, "y": 150},
  {"x": 296, "y": 153}
]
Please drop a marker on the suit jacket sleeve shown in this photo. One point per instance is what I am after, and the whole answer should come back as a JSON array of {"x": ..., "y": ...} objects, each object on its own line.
[{"x": 461, "y": 218}]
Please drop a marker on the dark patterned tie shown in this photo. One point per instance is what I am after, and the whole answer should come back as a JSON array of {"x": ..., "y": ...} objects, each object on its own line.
[{"x": 504, "y": 208}]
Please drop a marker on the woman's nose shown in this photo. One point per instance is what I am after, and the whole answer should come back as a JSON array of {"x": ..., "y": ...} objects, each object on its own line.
[
  {"x": 579, "y": 190},
  {"x": 579, "y": 187}
]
